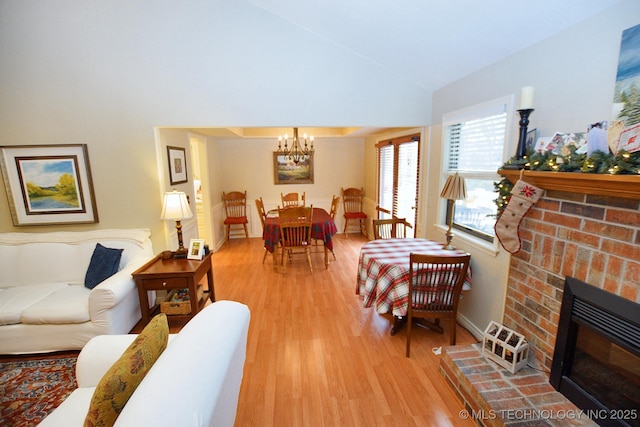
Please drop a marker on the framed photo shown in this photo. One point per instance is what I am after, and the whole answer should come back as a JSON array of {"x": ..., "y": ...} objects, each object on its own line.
[
  {"x": 630, "y": 139},
  {"x": 287, "y": 171},
  {"x": 48, "y": 184},
  {"x": 196, "y": 249},
  {"x": 530, "y": 142},
  {"x": 177, "y": 165}
]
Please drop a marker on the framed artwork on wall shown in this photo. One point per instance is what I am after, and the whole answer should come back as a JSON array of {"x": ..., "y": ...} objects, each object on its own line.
[
  {"x": 177, "y": 165},
  {"x": 48, "y": 184},
  {"x": 286, "y": 171},
  {"x": 625, "y": 112}
]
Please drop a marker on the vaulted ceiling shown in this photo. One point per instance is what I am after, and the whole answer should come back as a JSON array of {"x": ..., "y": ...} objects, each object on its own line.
[{"x": 426, "y": 43}]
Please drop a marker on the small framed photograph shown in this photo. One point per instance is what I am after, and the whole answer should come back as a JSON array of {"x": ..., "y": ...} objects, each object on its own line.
[
  {"x": 530, "y": 142},
  {"x": 630, "y": 139},
  {"x": 48, "y": 184},
  {"x": 196, "y": 249},
  {"x": 177, "y": 165}
]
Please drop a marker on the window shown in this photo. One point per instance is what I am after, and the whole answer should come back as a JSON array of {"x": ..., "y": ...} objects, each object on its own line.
[
  {"x": 398, "y": 165},
  {"x": 475, "y": 146}
]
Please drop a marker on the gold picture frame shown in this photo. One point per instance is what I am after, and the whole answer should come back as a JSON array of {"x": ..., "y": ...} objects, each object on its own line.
[{"x": 287, "y": 171}]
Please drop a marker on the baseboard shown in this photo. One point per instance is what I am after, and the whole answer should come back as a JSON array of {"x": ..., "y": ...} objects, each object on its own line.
[{"x": 469, "y": 326}]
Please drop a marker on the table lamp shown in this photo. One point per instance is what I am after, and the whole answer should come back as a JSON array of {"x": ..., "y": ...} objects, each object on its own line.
[
  {"x": 454, "y": 189},
  {"x": 176, "y": 207}
]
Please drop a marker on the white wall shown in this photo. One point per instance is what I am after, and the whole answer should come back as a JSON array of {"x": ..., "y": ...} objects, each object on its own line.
[
  {"x": 573, "y": 74},
  {"x": 109, "y": 73},
  {"x": 248, "y": 165}
]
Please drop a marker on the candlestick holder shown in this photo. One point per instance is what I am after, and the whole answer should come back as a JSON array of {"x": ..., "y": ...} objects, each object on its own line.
[{"x": 519, "y": 161}]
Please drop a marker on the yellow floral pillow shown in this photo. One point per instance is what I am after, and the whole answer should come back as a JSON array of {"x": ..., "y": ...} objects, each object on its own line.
[{"x": 118, "y": 384}]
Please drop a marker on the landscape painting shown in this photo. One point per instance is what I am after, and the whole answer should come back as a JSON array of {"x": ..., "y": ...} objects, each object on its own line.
[
  {"x": 626, "y": 101},
  {"x": 48, "y": 184},
  {"x": 288, "y": 171}
]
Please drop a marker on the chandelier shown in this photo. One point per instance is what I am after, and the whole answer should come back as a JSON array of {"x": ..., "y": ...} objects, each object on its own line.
[{"x": 295, "y": 152}]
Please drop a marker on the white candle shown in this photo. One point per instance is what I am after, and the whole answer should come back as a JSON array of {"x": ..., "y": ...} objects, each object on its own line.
[{"x": 526, "y": 98}]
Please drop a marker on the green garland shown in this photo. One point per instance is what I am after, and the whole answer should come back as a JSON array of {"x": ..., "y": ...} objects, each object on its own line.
[{"x": 623, "y": 163}]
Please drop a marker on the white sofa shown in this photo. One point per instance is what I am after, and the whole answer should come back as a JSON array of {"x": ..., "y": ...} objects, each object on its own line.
[
  {"x": 195, "y": 381},
  {"x": 44, "y": 305}
]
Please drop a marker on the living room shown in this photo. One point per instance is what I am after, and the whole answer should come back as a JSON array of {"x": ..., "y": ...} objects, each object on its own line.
[{"x": 120, "y": 79}]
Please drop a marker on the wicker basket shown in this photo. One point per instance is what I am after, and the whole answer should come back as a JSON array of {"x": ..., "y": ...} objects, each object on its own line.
[{"x": 177, "y": 301}]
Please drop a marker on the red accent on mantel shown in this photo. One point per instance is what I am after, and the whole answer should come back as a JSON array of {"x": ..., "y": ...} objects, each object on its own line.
[{"x": 626, "y": 186}]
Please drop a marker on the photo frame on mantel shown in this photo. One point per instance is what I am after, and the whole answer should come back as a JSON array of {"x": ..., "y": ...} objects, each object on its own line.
[
  {"x": 177, "y": 157},
  {"x": 48, "y": 184}
]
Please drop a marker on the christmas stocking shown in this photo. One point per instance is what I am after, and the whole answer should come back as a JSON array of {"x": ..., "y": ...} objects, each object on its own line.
[{"x": 523, "y": 196}]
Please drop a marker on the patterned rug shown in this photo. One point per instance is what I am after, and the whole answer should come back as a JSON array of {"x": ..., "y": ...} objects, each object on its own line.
[{"x": 30, "y": 389}]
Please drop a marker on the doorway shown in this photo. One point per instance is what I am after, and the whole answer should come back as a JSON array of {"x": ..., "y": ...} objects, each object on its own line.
[
  {"x": 197, "y": 145},
  {"x": 398, "y": 165}
]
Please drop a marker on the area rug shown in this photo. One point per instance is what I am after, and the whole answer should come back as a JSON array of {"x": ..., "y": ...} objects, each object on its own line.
[{"x": 31, "y": 389}]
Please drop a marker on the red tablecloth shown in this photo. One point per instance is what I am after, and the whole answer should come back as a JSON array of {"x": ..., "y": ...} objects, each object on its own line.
[
  {"x": 383, "y": 272},
  {"x": 323, "y": 228}
]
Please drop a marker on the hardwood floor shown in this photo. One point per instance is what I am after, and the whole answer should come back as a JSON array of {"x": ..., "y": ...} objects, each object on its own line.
[{"x": 317, "y": 357}]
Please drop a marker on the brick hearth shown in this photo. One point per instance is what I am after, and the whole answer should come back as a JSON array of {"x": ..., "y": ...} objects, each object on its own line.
[{"x": 493, "y": 396}]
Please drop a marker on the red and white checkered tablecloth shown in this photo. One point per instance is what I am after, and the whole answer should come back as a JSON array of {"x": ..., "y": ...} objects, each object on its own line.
[{"x": 383, "y": 271}]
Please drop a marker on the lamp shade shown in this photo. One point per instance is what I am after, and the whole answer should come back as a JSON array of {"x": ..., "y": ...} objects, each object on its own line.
[
  {"x": 454, "y": 188},
  {"x": 175, "y": 206}
]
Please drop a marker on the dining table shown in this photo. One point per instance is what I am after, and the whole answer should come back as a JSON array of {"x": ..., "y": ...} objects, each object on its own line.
[
  {"x": 323, "y": 228},
  {"x": 383, "y": 273}
]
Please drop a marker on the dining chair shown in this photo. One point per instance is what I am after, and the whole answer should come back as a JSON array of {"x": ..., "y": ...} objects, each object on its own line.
[
  {"x": 295, "y": 233},
  {"x": 352, "y": 200},
  {"x": 390, "y": 228},
  {"x": 263, "y": 217},
  {"x": 335, "y": 202},
  {"x": 235, "y": 206},
  {"x": 292, "y": 199},
  {"x": 434, "y": 291}
]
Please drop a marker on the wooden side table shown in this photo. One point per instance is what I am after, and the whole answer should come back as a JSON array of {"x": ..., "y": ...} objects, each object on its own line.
[{"x": 167, "y": 274}]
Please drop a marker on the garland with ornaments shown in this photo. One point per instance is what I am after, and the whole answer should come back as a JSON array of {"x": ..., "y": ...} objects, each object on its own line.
[{"x": 622, "y": 163}]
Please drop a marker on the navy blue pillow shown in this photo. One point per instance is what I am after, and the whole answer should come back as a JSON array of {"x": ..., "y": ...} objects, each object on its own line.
[{"x": 104, "y": 263}]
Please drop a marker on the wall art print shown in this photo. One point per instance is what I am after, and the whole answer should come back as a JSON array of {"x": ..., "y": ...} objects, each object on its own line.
[
  {"x": 48, "y": 184},
  {"x": 286, "y": 171},
  {"x": 622, "y": 134},
  {"x": 177, "y": 165}
]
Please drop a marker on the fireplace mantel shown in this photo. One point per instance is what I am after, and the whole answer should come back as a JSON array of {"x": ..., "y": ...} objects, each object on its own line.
[{"x": 625, "y": 186}]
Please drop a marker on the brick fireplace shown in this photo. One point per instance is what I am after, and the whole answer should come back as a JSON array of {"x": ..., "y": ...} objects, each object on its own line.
[
  {"x": 576, "y": 229},
  {"x": 593, "y": 238}
]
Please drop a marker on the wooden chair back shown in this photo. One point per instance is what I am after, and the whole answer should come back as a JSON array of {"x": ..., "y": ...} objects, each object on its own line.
[
  {"x": 261, "y": 212},
  {"x": 334, "y": 206},
  {"x": 235, "y": 204},
  {"x": 292, "y": 199},
  {"x": 295, "y": 231},
  {"x": 390, "y": 228},
  {"x": 434, "y": 289},
  {"x": 352, "y": 200}
]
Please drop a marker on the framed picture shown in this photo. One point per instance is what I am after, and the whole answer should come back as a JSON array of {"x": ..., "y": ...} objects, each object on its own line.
[
  {"x": 530, "y": 142},
  {"x": 48, "y": 184},
  {"x": 630, "y": 139},
  {"x": 196, "y": 249},
  {"x": 287, "y": 171},
  {"x": 177, "y": 165}
]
